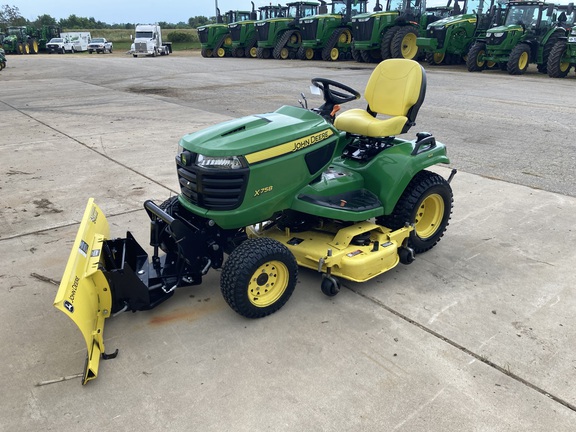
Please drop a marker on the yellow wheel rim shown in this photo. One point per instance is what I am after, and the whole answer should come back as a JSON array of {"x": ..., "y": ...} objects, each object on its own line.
[
  {"x": 334, "y": 53},
  {"x": 523, "y": 60},
  {"x": 26, "y": 49},
  {"x": 228, "y": 41},
  {"x": 345, "y": 37},
  {"x": 409, "y": 47},
  {"x": 284, "y": 53},
  {"x": 221, "y": 52},
  {"x": 309, "y": 54},
  {"x": 429, "y": 216},
  {"x": 439, "y": 57},
  {"x": 479, "y": 61},
  {"x": 268, "y": 283},
  {"x": 35, "y": 46},
  {"x": 295, "y": 38},
  {"x": 253, "y": 52},
  {"x": 564, "y": 66}
]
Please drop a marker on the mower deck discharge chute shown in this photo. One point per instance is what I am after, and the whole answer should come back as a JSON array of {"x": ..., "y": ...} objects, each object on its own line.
[{"x": 297, "y": 187}]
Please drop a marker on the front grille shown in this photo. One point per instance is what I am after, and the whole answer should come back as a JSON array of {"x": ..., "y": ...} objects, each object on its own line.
[
  {"x": 213, "y": 189},
  {"x": 262, "y": 31},
  {"x": 235, "y": 32},
  {"x": 437, "y": 34},
  {"x": 141, "y": 47},
  {"x": 308, "y": 30},
  {"x": 363, "y": 29},
  {"x": 495, "y": 40},
  {"x": 203, "y": 35}
]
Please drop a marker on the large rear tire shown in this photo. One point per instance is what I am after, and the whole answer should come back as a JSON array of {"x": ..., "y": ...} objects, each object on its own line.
[
  {"x": 427, "y": 203},
  {"x": 404, "y": 43},
  {"x": 386, "y": 42},
  {"x": 259, "y": 277}
]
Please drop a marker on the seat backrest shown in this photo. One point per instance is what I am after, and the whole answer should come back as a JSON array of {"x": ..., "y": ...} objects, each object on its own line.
[{"x": 396, "y": 88}]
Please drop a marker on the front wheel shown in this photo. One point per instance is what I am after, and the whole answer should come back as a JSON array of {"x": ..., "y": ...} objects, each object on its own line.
[
  {"x": 427, "y": 203},
  {"x": 557, "y": 68},
  {"x": 519, "y": 59},
  {"x": 259, "y": 277},
  {"x": 475, "y": 61}
]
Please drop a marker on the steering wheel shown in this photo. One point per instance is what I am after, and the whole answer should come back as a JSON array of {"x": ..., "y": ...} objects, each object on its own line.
[{"x": 335, "y": 96}]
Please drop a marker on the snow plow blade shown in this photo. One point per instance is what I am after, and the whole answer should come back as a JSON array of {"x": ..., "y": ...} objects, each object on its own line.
[{"x": 84, "y": 293}]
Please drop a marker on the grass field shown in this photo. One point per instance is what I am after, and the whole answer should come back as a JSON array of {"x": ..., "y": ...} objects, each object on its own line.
[{"x": 122, "y": 41}]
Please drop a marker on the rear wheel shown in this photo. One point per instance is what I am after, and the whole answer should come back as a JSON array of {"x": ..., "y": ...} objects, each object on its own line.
[
  {"x": 206, "y": 52},
  {"x": 259, "y": 277},
  {"x": 427, "y": 203},
  {"x": 404, "y": 43},
  {"x": 263, "y": 53},
  {"x": 519, "y": 59},
  {"x": 556, "y": 67},
  {"x": 475, "y": 61},
  {"x": 371, "y": 56},
  {"x": 33, "y": 46},
  {"x": 386, "y": 42}
]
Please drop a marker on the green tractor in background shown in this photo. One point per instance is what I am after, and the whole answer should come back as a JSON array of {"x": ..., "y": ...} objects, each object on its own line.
[
  {"x": 392, "y": 33},
  {"x": 329, "y": 36},
  {"x": 563, "y": 54},
  {"x": 448, "y": 40},
  {"x": 281, "y": 37},
  {"x": 44, "y": 34},
  {"x": 243, "y": 33},
  {"x": 215, "y": 39},
  {"x": 529, "y": 33},
  {"x": 18, "y": 40}
]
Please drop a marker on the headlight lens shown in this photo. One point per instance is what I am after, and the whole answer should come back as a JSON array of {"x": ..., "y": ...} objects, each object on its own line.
[
  {"x": 498, "y": 34},
  {"x": 219, "y": 162}
]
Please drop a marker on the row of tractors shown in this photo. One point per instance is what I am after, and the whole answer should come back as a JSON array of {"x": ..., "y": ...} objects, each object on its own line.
[
  {"x": 483, "y": 34},
  {"x": 27, "y": 40}
]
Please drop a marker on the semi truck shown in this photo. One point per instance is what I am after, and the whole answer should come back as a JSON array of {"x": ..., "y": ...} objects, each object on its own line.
[{"x": 148, "y": 41}]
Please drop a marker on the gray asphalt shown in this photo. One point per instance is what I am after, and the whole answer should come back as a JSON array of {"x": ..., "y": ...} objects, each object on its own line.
[{"x": 476, "y": 335}]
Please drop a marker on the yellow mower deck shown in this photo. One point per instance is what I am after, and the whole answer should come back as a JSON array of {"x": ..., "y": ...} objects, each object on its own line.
[
  {"x": 84, "y": 294},
  {"x": 358, "y": 263}
]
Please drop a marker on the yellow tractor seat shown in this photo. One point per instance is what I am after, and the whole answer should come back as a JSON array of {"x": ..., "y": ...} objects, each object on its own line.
[{"x": 396, "y": 89}]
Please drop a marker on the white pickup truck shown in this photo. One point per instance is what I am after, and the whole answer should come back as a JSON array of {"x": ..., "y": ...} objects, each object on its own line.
[
  {"x": 59, "y": 45},
  {"x": 100, "y": 45}
]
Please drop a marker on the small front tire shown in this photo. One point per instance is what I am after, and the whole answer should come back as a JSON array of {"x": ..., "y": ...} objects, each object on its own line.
[{"x": 259, "y": 277}]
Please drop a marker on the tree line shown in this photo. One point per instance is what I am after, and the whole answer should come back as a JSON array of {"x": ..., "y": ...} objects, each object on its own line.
[{"x": 11, "y": 16}]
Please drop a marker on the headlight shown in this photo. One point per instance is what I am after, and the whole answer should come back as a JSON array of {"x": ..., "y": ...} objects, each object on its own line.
[
  {"x": 498, "y": 34},
  {"x": 221, "y": 162}
]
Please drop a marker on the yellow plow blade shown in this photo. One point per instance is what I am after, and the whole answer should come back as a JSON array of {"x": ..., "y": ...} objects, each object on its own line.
[{"x": 84, "y": 294}]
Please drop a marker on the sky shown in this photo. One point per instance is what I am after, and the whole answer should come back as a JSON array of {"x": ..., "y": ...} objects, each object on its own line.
[{"x": 142, "y": 11}]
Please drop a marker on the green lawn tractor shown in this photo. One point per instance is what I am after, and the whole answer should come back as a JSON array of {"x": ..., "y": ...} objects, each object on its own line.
[
  {"x": 341, "y": 195},
  {"x": 2, "y": 59},
  {"x": 281, "y": 37},
  {"x": 215, "y": 39},
  {"x": 392, "y": 33},
  {"x": 329, "y": 36},
  {"x": 563, "y": 55},
  {"x": 448, "y": 40},
  {"x": 529, "y": 32}
]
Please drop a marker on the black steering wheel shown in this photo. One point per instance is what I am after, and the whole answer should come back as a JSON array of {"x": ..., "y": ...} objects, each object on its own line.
[{"x": 335, "y": 96}]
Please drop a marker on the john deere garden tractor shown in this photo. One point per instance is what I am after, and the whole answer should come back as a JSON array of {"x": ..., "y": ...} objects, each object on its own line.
[
  {"x": 448, "y": 40},
  {"x": 392, "y": 33},
  {"x": 281, "y": 37},
  {"x": 563, "y": 54},
  {"x": 341, "y": 195},
  {"x": 529, "y": 33},
  {"x": 329, "y": 35},
  {"x": 215, "y": 39}
]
